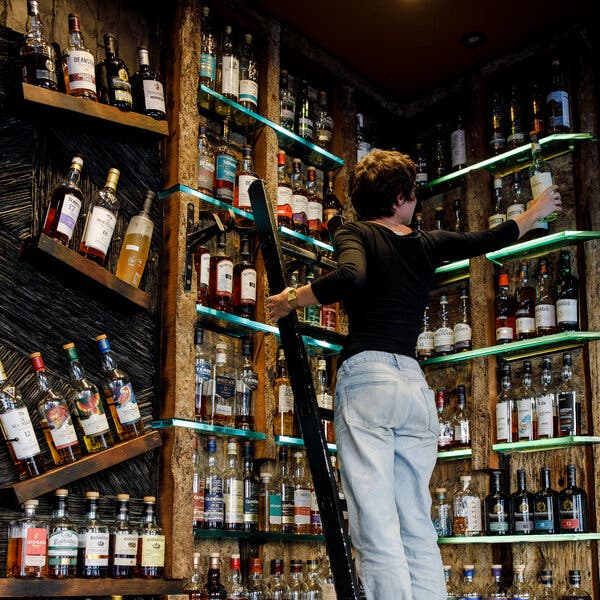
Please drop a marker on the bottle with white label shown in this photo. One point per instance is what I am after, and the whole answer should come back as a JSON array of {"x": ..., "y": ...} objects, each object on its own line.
[
  {"x": 62, "y": 540},
  {"x": 425, "y": 340},
  {"x": 567, "y": 295},
  {"x": 283, "y": 421},
  {"x": 458, "y": 146},
  {"x": 540, "y": 173},
  {"x": 462, "y": 328},
  {"x": 206, "y": 163},
  {"x": 324, "y": 397},
  {"x": 546, "y": 408},
  {"x": 148, "y": 92},
  {"x": 301, "y": 494},
  {"x": 505, "y": 423},
  {"x": 517, "y": 205},
  {"x": 233, "y": 489},
  {"x": 497, "y": 215},
  {"x": 78, "y": 64},
  {"x": 545, "y": 307},
  {"x": 245, "y": 386},
  {"x": 241, "y": 198},
  {"x": 101, "y": 220},
  {"x": 228, "y": 73},
  {"x": 525, "y": 405},
  {"x": 443, "y": 338},
  {"x": 287, "y": 102},
  {"x": 221, "y": 408},
  {"x": 220, "y": 287},
  {"x": 123, "y": 541},
  {"x": 151, "y": 543},
  {"x": 323, "y": 123},
  {"x": 467, "y": 519},
  {"x": 93, "y": 544},
  {"x": 557, "y": 101},
  {"x": 27, "y": 545}
]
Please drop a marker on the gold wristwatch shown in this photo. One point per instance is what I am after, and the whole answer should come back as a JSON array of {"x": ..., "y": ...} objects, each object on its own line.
[{"x": 291, "y": 298}]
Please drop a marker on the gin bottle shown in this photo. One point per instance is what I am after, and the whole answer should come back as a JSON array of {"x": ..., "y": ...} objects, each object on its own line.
[
  {"x": 213, "y": 488},
  {"x": 451, "y": 591},
  {"x": 468, "y": 589},
  {"x": 441, "y": 514},
  {"x": 467, "y": 510},
  {"x": 496, "y": 590},
  {"x": 245, "y": 387},
  {"x": 519, "y": 589},
  {"x": 574, "y": 591}
]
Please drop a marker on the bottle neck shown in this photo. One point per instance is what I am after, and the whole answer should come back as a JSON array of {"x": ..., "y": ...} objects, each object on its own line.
[
  {"x": 29, "y": 512},
  {"x": 42, "y": 380},
  {"x": 34, "y": 27},
  {"x": 61, "y": 508},
  {"x": 92, "y": 509},
  {"x": 545, "y": 480},
  {"x": 76, "y": 370},
  {"x": 73, "y": 176},
  {"x": 148, "y": 518},
  {"x": 123, "y": 514},
  {"x": 107, "y": 361}
]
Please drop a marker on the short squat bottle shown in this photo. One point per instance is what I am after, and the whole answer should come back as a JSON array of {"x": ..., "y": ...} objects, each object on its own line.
[{"x": 574, "y": 591}]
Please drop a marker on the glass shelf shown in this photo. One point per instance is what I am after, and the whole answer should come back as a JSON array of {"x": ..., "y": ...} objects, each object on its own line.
[
  {"x": 257, "y": 536},
  {"x": 284, "y": 440},
  {"x": 546, "y": 444},
  {"x": 249, "y": 121},
  {"x": 520, "y": 539},
  {"x": 457, "y": 454},
  {"x": 521, "y": 349},
  {"x": 206, "y": 428}
]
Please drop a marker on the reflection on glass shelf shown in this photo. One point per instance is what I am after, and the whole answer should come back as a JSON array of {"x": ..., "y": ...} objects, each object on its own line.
[
  {"x": 546, "y": 444},
  {"x": 206, "y": 428},
  {"x": 257, "y": 536},
  {"x": 457, "y": 454},
  {"x": 521, "y": 349},
  {"x": 284, "y": 440},
  {"x": 520, "y": 539},
  {"x": 248, "y": 121},
  {"x": 287, "y": 232}
]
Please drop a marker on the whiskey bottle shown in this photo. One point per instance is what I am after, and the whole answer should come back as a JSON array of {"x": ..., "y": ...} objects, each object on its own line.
[
  {"x": 284, "y": 193},
  {"x": 225, "y": 168},
  {"x": 517, "y": 205},
  {"x": 545, "y": 505},
  {"x": 525, "y": 298},
  {"x": 316, "y": 524},
  {"x": 213, "y": 488},
  {"x": 222, "y": 386},
  {"x": 525, "y": 408},
  {"x": 462, "y": 329},
  {"x": 567, "y": 295},
  {"x": 439, "y": 219},
  {"x": 123, "y": 541},
  {"x": 195, "y": 583},
  {"x": 278, "y": 588},
  {"x": 296, "y": 581},
  {"x": 422, "y": 176},
  {"x": 362, "y": 145},
  {"x": 324, "y": 123},
  {"x": 255, "y": 585},
  {"x": 301, "y": 495},
  {"x": 496, "y": 590},
  {"x": 311, "y": 314},
  {"x": 55, "y": 417},
  {"x": 285, "y": 485},
  {"x": 245, "y": 178},
  {"x": 498, "y": 141},
  {"x": 557, "y": 101},
  {"x": 574, "y": 591},
  {"x": 505, "y": 323},
  {"x": 88, "y": 405},
  {"x": 443, "y": 337},
  {"x": 150, "y": 562},
  {"x": 331, "y": 206},
  {"x": 248, "y": 74},
  {"x": 202, "y": 269},
  {"x": 545, "y": 307},
  {"x": 62, "y": 540},
  {"x": 220, "y": 285},
  {"x": 506, "y": 427},
  {"x": 451, "y": 591},
  {"x": 147, "y": 89},
  {"x": 546, "y": 407},
  {"x": 522, "y": 506},
  {"x": 233, "y": 489},
  {"x": 441, "y": 513},
  {"x": 457, "y": 215},
  {"x": 208, "y": 51},
  {"x": 269, "y": 505},
  {"x": 245, "y": 386},
  {"x": 497, "y": 217},
  {"x": 206, "y": 163},
  {"x": 198, "y": 482},
  {"x": 497, "y": 507},
  {"x": 540, "y": 172},
  {"x": 547, "y": 589},
  {"x": 93, "y": 542},
  {"x": 329, "y": 317},
  {"x": 65, "y": 205},
  {"x": 119, "y": 394},
  {"x": 78, "y": 63},
  {"x": 37, "y": 56},
  {"x": 439, "y": 163},
  {"x": 136, "y": 244},
  {"x": 516, "y": 137},
  {"x": 287, "y": 102},
  {"x": 214, "y": 589},
  {"x": 538, "y": 109},
  {"x": 458, "y": 145},
  {"x": 299, "y": 199},
  {"x": 244, "y": 281},
  {"x": 27, "y": 545},
  {"x": 250, "y": 485},
  {"x": 283, "y": 421},
  {"x": 17, "y": 430},
  {"x": 572, "y": 505},
  {"x": 101, "y": 220},
  {"x": 112, "y": 77},
  {"x": 461, "y": 430},
  {"x": 324, "y": 398},
  {"x": 228, "y": 73},
  {"x": 235, "y": 587},
  {"x": 519, "y": 589},
  {"x": 425, "y": 339},
  {"x": 445, "y": 421},
  {"x": 315, "y": 205},
  {"x": 305, "y": 126},
  {"x": 568, "y": 401},
  {"x": 468, "y": 588},
  {"x": 314, "y": 590}
]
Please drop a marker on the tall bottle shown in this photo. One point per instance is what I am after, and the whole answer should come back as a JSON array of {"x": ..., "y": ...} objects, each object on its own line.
[
  {"x": 147, "y": 89},
  {"x": 505, "y": 322},
  {"x": 443, "y": 337},
  {"x": 228, "y": 74},
  {"x": 557, "y": 101},
  {"x": 285, "y": 483},
  {"x": 225, "y": 168},
  {"x": 525, "y": 407},
  {"x": 245, "y": 386},
  {"x": 101, "y": 220},
  {"x": 458, "y": 145},
  {"x": 331, "y": 206},
  {"x": 221, "y": 277},
  {"x": 223, "y": 389},
  {"x": 324, "y": 397},
  {"x": 517, "y": 205},
  {"x": 213, "y": 488},
  {"x": 315, "y": 204},
  {"x": 324, "y": 123},
  {"x": 305, "y": 126},
  {"x": 467, "y": 510},
  {"x": 498, "y": 141},
  {"x": 202, "y": 273},
  {"x": 497, "y": 215},
  {"x": 245, "y": 178},
  {"x": 93, "y": 541},
  {"x": 62, "y": 540},
  {"x": 461, "y": 431},
  {"x": 269, "y": 504},
  {"x": 78, "y": 65},
  {"x": 506, "y": 427},
  {"x": 248, "y": 73},
  {"x": 287, "y": 102},
  {"x": 299, "y": 199},
  {"x": 441, "y": 513},
  {"x": 519, "y": 589},
  {"x": 574, "y": 591},
  {"x": 198, "y": 481},
  {"x": 545, "y": 307},
  {"x": 150, "y": 562},
  {"x": 516, "y": 136},
  {"x": 572, "y": 505},
  {"x": 283, "y": 421},
  {"x": 284, "y": 192},
  {"x": 136, "y": 244},
  {"x": 567, "y": 295},
  {"x": 233, "y": 492},
  {"x": 444, "y": 421},
  {"x": 208, "y": 50},
  {"x": 538, "y": 109},
  {"x": 112, "y": 76},
  {"x": 525, "y": 298},
  {"x": 206, "y": 163},
  {"x": 497, "y": 507},
  {"x": 540, "y": 172},
  {"x": 546, "y": 406},
  {"x": 568, "y": 401},
  {"x": 27, "y": 544},
  {"x": 496, "y": 590},
  {"x": 425, "y": 339},
  {"x": 250, "y": 485},
  {"x": 462, "y": 328},
  {"x": 522, "y": 506},
  {"x": 302, "y": 496},
  {"x": 64, "y": 205},
  {"x": 545, "y": 503},
  {"x": 421, "y": 166},
  {"x": 439, "y": 163},
  {"x": 244, "y": 282},
  {"x": 123, "y": 541}
]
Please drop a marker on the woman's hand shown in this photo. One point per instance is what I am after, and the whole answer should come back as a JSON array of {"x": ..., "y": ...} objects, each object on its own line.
[
  {"x": 278, "y": 305},
  {"x": 546, "y": 203}
]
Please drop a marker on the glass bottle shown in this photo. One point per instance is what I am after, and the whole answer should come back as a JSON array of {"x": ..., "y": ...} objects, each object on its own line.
[
  {"x": 505, "y": 323},
  {"x": 214, "y": 589},
  {"x": 324, "y": 123},
  {"x": 467, "y": 510},
  {"x": 195, "y": 582},
  {"x": 202, "y": 268},
  {"x": 519, "y": 589},
  {"x": 276, "y": 585},
  {"x": 540, "y": 172},
  {"x": 568, "y": 401},
  {"x": 314, "y": 590},
  {"x": 315, "y": 204},
  {"x": 574, "y": 591},
  {"x": 440, "y": 165},
  {"x": 517, "y": 205},
  {"x": 461, "y": 430},
  {"x": 443, "y": 337},
  {"x": 545, "y": 401},
  {"x": 522, "y": 506},
  {"x": 572, "y": 505},
  {"x": 567, "y": 295},
  {"x": 458, "y": 145},
  {"x": 37, "y": 55},
  {"x": 362, "y": 145},
  {"x": 302, "y": 497},
  {"x": 88, "y": 405},
  {"x": 311, "y": 314},
  {"x": 445, "y": 421},
  {"x": 538, "y": 109},
  {"x": 233, "y": 489},
  {"x": 547, "y": 591},
  {"x": 112, "y": 76},
  {"x": 462, "y": 328},
  {"x": 438, "y": 219},
  {"x": 545, "y": 308},
  {"x": 255, "y": 587},
  {"x": 151, "y": 544},
  {"x": 206, "y": 163},
  {"x": 136, "y": 244},
  {"x": 213, "y": 488},
  {"x": 422, "y": 176},
  {"x": 468, "y": 589},
  {"x": 287, "y": 102},
  {"x": 220, "y": 286},
  {"x": 506, "y": 426},
  {"x": 296, "y": 582},
  {"x": 208, "y": 50},
  {"x": 324, "y": 398},
  {"x": 285, "y": 483},
  {"x": 525, "y": 407},
  {"x": 27, "y": 544},
  {"x": 525, "y": 299},
  {"x": 545, "y": 504},
  {"x": 199, "y": 461},
  {"x": 235, "y": 587},
  {"x": 225, "y": 168},
  {"x": 119, "y": 394},
  {"x": 284, "y": 192},
  {"x": 245, "y": 386},
  {"x": 245, "y": 178},
  {"x": 496, "y": 589},
  {"x": 228, "y": 74},
  {"x": 55, "y": 417},
  {"x": 451, "y": 591},
  {"x": 269, "y": 505},
  {"x": 441, "y": 513},
  {"x": 223, "y": 389},
  {"x": 497, "y": 216},
  {"x": 283, "y": 421},
  {"x": 62, "y": 540},
  {"x": 299, "y": 199},
  {"x": 250, "y": 485},
  {"x": 244, "y": 282},
  {"x": 498, "y": 141},
  {"x": 248, "y": 74},
  {"x": 123, "y": 541},
  {"x": 457, "y": 215},
  {"x": 425, "y": 340},
  {"x": 101, "y": 220},
  {"x": 147, "y": 89},
  {"x": 93, "y": 541},
  {"x": 305, "y": 126},
  {"x": 78, "y": 63},
  {"x": 64, "y": 205},
  {"x": 331, "y": 206},
  {"x": 497, "y": 507},
  {"x": 516, "y": 137},
  {"x": 557, "y": 101}
]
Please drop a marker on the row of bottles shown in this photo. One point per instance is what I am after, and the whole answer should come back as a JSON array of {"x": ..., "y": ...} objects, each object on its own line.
[
  {"x": 454, "y": 420},
  {"x": 72, "y": 423},
  {"x": 108, "y": 81},
  {"x": 60, "y": 548}
]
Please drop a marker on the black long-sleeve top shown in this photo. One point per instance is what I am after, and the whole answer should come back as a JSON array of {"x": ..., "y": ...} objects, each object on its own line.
[{"x": 383, "y": 278}]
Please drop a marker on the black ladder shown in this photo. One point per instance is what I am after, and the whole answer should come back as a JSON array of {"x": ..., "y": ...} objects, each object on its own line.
[{"x": 307, "y": 410}]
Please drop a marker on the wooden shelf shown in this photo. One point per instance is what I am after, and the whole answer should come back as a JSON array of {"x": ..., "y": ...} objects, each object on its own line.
[
  {"x": 42, "y": 588},
  {"x": 88, "y": 465},
  {"x": 94, "y": 110},
  {"x": 90, "y": 270}
]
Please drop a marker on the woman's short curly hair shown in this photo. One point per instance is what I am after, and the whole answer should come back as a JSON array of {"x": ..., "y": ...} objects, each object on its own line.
[{"x": 378, "y": 179}]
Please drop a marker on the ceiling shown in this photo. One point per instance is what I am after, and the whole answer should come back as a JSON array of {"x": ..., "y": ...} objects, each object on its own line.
[{"x": 406, "y": 47}]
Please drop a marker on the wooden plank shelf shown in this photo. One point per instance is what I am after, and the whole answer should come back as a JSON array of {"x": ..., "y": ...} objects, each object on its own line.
[
  {"x": 94, "y": 110},
  {"x": 21, "y": 491},
  {"x": 43, "y": 588},
  {"x": 49, "y": 247}
]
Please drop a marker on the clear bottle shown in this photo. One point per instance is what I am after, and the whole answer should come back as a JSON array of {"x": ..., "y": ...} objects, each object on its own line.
[
  {"x": 287, "y": 102},
  {"x": 195, "y": 582},
  {"x": 277, "y": 587},
  {"x": 469, "y": 589},
  {"x": 574, "y": 591},
  {"x": 315, "y": 204},
  {"x": 324, "y": 123},
  {"x": 443, "y": 337},
  {"x": 451, "y": 591},
  {"x": 305, "y": 126},
  {"x": 208, "y": 50},
  {"x": 101, "y": 220},
  {"x": 557, "y": 101},
  {"x": 540, "y": 172},
  {"x": 331, "y": 206},
  {"x": 524, "y": 406},
  {"x": 572, "y": 505},
  {"x": 497, "y": 507},
  {"x": 441, "y": 513},
  {"x": 567, "y": 295},
  {"x": 123, "y": 541},
  {"x": 545, "y": 306},
  {"x": 458, "y": 145},
  {"x": 568, "y": 401},
  {"x": 496, "y": 589},
  {"x": 78, "y": 64},
  {"x": 198, "y": 482},
  {"x": 147, "y": 89},
  {"x": 112, "y": 76},
  {"x": 248, "y": 73},
  {"x": 225, "y": 168},
  {"x": 525, "y": 299},
  {"x": 27, "y": 544},
  {"x": 151, "y": 544},
  {"x": 546, "y": 406},
  {"x": 284, "y": 192},
  {"x": 233, "y": 489},
  {"x": 93, "y": 541},
  {"x": 250, "y": 486},
  {"x": 223, "y": 389},
  {"x": 119, "y": 394},
  {"x": 522, "y": 507},
  {"x": 314, "y": 590},
  {"x": 516, "y": 136},
  {"x": 440, "y": 165},
  {"x": 245, "y": 386},
  {"x": 244, "y": 281},
  {"x": 517, "y": 205},
  {"x": 505, "y": 323},
  {"x": 311, "y": 314},
  {"x": 547, "y": 590},
  {"x": 519, "y": 589},
  {"x": 62, "y": 540},
  {"x": 545, "y": 503},
  {"x": 299, "y": 199},
  {"x": 422, "y": 176},
  {"x": 286, "y": 488},
  {"x": 206, "y": 163},
  {"x": 498, "y": 141},
  {"x": 202, "y": 373},
  {"x": 302, "y": 496},
  {"x": 214, "y": 589},
  {"x": 506, "y": 426},
  {"x": 228, "y": 74},
  {"x": 220, "y": 286},
  {"x": 497, "y": 216},
  {"x": 88, "y": 405},
  {"x": 283, "y": 420},
  {"x": 362, "y": 145},
  {"x": 461, "y": 429},
  {"x": 425, "y": 340},
  {"x": 467, "y": 510},
  {"x": 245, "y": 178},
  {"x": 269, "y": 505},
  {"x": 324, "y": 398},
  {"x": 255, "y": 586},
  {"x": 296, "y": 582},
  {"x": 327, "y": 582},
  {"x": 136, "y": 244},
  {"x": 462, "y": 328},
  {"x": 213, "y": 488},
  {"x": 235, "y": 587},
  {"x": 444, "y": 420}
]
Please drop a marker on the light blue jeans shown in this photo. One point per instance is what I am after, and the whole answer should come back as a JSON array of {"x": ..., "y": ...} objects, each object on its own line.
[{"x": 386, "y": 430}]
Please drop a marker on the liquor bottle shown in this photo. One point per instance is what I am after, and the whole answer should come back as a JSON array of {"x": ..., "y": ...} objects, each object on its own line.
[
  {"x": 214, "y": 589},
  {"x": 276, "y": 585},
  {"x": 546, "y": 407},
  {"x": 235, "y": 587},
  {"x": 315, "y": 205},
  {"x": 299, "y": 199},
  {"x": 228, "y": 74},
  {"x": 540, "y": 172},
  {"x": 62, "y": 540},
  {"x": 296, "y": 581},
  {"x": 327, "y": 583},
  {"x": 519, "y": 589},
  {"x": 517, "y": 205},
  {"x": 323, "y": 123},
  {"x": 304, "y": 125},
  {"x": 119, "y": 394},
  {"x": 496, "y": 589},
  {"x": 506, "y": 427},
  {"x": 123, "y": 541},
  {"x": 497, "y": 216},
  {"x": 572, "y": 505},
  {"x": 55, "y": 417},
  {"x": 225, "y": 168},
  {"x": 516, "y": 137},
  {"x": 538, "y": 109},
  {"x": 547, "y": 591},
  {"x": 331, "y": 206},
  {"x": 206, "y": 163},
  {"x": 497, "y": 507},
  {"x": 329, "y": 317},
  {"x": 458, "y": 145},
  {"x": 37, "y": 55},
  {"x": 101, "y": 220},
  {"x": 269, "y": 505},
  {"x": 208, "y": 50},
  {"x": 248, "y": 74},
  {"x": 112, "y": 76},
  {"x": 425, "y": 340},
  {"x": 78, "y": 63},
  {"x": 151, "y": 544},
  {"x": 568, "y": 401},
  {"x": 311, "y": 314},
  {"x": 93, "y": 541},
  {"x": 498, "y": 141},
  {"x": 147, "y": 89},
  {"x": 284, "y": 193},
  {"x": 27, "y": 545},
  {"x": 250, "y": 485},
  {"x": 567, "y": 295},
  {"x": 525, "y": 298},
  {"x": 301, "y": 495},
  {"x": 341, "y": 494},
  {"x": 524, "y": 405},
  {"x": 199, "y": 477},
  {"x": 255, "y": 587},
  {"x": 545, "y": 308},
  {"x": 245, "y": 178},
  {"x": 244, "y": 282},
  {"x": 223, "y": 389},
  {"x": 17, "y": 430},
  {"x": 522, "y": 506},
  {"x": 285, "y": 484},
  {"x": 443, "y": 338},
  {"x": 136, "y": 244},
  {"x": 557, "y": 101},
  {"x": 439, "y": 163},
  {"x": 445, "y": 421},
  {"x": 438, "y": 219},
  {"x": 461, "y": 431},
  {"x": 233, "y": 494},
  {"x": 418, "y": 221},
  {"x": 467, "y": 510},
  {"x": 287, "y": 102},
  {"x": 462, "y": 328},
  {"x": 505, "y": 311},
  {"x": 441, "y": 513},
  {"x": 202, "y": 267},
  {"x": 314, "y": 590},
  {"x": 451, "y": 591},
  {"x": 283, "y": 421},
  {"x": 457, "y": 226},
  {"x": 324, "y": 398},
  {"x": 245, "y": 386},
  {"x": 220, "y": 285},
  {"x": 65, "y": 205},
  {"x": 213, "y": 489},
  {"x": 574, "y": 591},
  {"x": 421, "y": 167},
  {"x": 468, "y": 589},
  {"x": 362, "y": 145},
  {"x": 316, "y": 524},
  {"x": 545, "y": 505},
  {"x": 196, "y": 581}
]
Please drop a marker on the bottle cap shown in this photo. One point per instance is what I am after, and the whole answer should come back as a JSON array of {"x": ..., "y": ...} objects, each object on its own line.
[
  {"x": 248, "y": 38},
  {"x": 465, "y": 478},
  {"x": 148, "y": 200},
  {"x": 77, "y": 163},
  {"x": 198, "y": 336},
  {"x": 112, "y": 179},
  {"x": 30, "y": 503},
  {"x": 122, "y": 497},
  {"x": 440, "y": 490},
  {"x": 61, "y": 492},
  {"x": 37, "y": 362},
  {"x": 205, "y": 11},
  {"x": 92, "y": 495},
  {"x": 255, "y": 565},
  {"x": 149, "y": 499}
]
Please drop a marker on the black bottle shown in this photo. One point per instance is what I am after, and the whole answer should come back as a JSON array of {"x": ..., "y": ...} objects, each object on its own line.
[
  {"x": 112, "y": 77},
  {"x": 497, "y": 503},
  {"x": 148, "y": 92},
  {"x": 572, "y": 506},
  {"x": 521, "y": 506},
  {"x": 545, "y": 503}
]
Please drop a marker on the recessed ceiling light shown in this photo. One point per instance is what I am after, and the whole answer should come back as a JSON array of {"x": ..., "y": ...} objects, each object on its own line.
[{"x": 473, "y": 39}]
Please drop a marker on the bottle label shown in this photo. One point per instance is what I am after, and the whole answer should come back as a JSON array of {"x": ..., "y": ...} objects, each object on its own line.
[
  {"x": 213, "y": 499},
  {"x": 250, "y": 502},
  {"x": 525, "y": 418},
  {"x": 443, "y": 339},
  {"x": 153, "y": 551},
  {"x": 462, "y": 432},
  {"x": 208, "y": 66},
  {"x": 244, "y": 182},
  {"x": 496, "y": 219},
  {"x": 302, "y": 507},
  {"x": 503, "y": 433},
  {"x": 539, "y": 182},
  {"x": 126, "y": 547},
  {"x": 514, "y": 209},
  {"x": 138, "y": 226},
  {"x": 206, "y": 172},
  {"x": 61, "y": 427},
  {"x": 525, "y": 325},
  {"x": 325, "y": 132},
  {"x": 498, "y": 141},
  {"x": 285, "y": 399},
  {"x": 567, "y": 524},
  {"x": 545, "y": 414},
  {"x": 462, "y": 335},
  {"x": 444, "y": 435},
  {"x": 128, "y": 410},
  {"x": 504, "y": 334},
  {"x": 364, "y": 148},
  {"x": 458, "y": 148},
  {"x": 230, "y": 76},
  {"x": 523, "y": 519},
  {"x": 544, "y": 516},
  {"x": 225, "y": 169},
  {"x": 91, "y": 414},
  {"x": 567, "y": 413},
  {"x": 425, "y": 342},
  {"x": 248, "y": 285},
  {"x": 99, "y": 229},
  {"x": 69, "y": 213},
  {"x": 305, "y": 127},
  {"x": 198, "y": 501},
  {"x": 299, "y": 209},
  {"x": 287, "y": 504},
  {"x": 154, "y": 95},
  {"x": 249, "y": 91},
  {"x": 498, "y": 519},
  {"x": 325, "y": 400},
  {"x": 284, "y": 202},
  {"x": 122, "y": 90},
  {"x": 204, "y": 269},
  {"x": 566, "y": 311},
  {"x": 312, "y": 315},
  {"x": 275, "y": 509},
  {"x": 559, "y": 113},
  {"x": 473, "y": 505},
  {"x": 62, "y": 548},
  {"x": 18, "y": 429},
  {"x": 233, "y": 501},
  {"x": 224, "y": 393},
  {"x": 545, "y": 316},
  {"x": 441, "y": 520},
  {"x": 328, "y": 590},
  {"x": 225, "y": 278},
  {"x": 36, "y": 541},
  {"x": 315, "y": 213},
  {"x": 539, "y": 224},
  {"x": 81, "y": 70},
  {"x": 95, "y": 544},
  {"x": 328, "y": 317}
]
